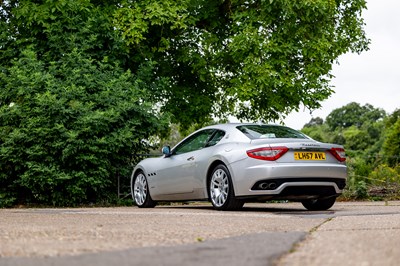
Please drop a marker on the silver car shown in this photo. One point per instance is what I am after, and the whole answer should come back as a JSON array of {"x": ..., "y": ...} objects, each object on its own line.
[{"x": 230, "y": 164}]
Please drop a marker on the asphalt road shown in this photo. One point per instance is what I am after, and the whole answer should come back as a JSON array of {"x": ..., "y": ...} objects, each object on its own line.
[{"x": 362, "y": 233}]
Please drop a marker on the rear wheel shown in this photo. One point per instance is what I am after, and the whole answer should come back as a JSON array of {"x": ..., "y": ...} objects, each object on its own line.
[
  {"x": 221, "y": 191},
  {"x": 319, "y": 204},
  {"x": 140, "y": 191}
]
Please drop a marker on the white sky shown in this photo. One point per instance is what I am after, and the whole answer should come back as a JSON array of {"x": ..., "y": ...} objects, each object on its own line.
[{"x": 373, "y": 76}]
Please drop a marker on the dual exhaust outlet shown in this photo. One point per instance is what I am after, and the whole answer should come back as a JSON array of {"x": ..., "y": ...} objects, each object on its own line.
[{"x": 268, "y": 185}]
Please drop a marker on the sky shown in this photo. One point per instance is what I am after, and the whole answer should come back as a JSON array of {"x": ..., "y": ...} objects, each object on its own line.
[{"x": 373, "y": 76}]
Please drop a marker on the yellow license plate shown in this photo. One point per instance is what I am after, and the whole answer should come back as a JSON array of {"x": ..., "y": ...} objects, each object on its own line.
[{"x": 310, "y": 156}]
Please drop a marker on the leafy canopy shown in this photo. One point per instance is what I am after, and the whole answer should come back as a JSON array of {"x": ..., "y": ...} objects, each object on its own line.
[
  {"x": 353, "y": 114},
  {"x": 255, "y": 60}
]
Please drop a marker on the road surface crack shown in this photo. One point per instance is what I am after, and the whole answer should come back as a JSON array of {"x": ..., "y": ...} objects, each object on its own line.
[{"x": 297, "y": 245}]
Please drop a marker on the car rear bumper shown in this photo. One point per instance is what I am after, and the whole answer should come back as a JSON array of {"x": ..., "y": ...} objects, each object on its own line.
[{"x": 287, "y": 180}]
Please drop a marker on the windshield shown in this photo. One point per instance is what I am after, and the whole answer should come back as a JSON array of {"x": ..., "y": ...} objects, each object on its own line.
[{"x": 270, "y": 132}]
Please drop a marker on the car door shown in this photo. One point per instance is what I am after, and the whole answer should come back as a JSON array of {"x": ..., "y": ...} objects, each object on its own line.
[{"x": 177, "y": 172}]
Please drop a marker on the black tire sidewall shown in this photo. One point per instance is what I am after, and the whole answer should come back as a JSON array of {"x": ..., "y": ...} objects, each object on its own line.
[{"x": 319, "y": 204}]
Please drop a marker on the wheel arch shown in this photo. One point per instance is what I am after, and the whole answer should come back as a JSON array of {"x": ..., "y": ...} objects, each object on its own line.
[
  {"x": 210, "y": 169},
  {"x": 135, "y": 171}
]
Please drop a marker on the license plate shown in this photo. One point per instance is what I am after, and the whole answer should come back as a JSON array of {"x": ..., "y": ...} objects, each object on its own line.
[{"x": 310, "y": 156}]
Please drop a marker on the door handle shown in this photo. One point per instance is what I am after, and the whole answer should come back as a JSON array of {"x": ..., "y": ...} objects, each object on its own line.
[{"x": 190, "y": 158}]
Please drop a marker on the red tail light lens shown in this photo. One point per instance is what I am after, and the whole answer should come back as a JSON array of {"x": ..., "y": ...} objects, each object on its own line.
[
  {"x": 268, "y": 154},
  {"x": 339, "y": 154}
]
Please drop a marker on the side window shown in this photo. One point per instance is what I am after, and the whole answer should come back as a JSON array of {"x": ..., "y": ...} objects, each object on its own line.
[
  {"x": 218, "y": 135},
  {"x": 195, "y": 142}
]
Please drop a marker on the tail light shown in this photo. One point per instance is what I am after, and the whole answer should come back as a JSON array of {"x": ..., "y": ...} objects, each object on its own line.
[
  {"x": 339, "y": 154},
  {"x": 268, "y": 154}
]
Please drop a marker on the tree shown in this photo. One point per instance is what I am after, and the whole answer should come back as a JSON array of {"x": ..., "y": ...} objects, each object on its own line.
[
  {"x": 315, "y": 121},
  {"x": 391, "y": 139},
  {"x": 71, "y": 115},
  {"x": 391, "y": 146},
  {"x": 255, "y": 60},
  {"x": 318, "y": 130},
  {"x": 353, "y": 114},
  {"x": 356, "y": 139},
  {"x": 392, "y": 118}
]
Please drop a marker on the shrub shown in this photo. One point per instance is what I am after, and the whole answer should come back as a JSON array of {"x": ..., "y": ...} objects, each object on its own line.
[{"x": 67, "y": 128}]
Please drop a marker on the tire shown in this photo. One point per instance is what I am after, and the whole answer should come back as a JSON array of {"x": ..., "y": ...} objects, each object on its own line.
[
  {"x": 319, "y": 204},
  {"x": 220, "y": 188},
  {"x": 140, "y": 191}
]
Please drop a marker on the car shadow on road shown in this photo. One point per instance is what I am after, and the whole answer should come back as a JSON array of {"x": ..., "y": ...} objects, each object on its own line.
[
  {"x": 279, "y": 210},
  {"x": 288, "y": 211}
]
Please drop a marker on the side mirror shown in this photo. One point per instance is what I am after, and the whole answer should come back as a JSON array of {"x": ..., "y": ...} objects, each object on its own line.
[{"x": 166, "y": 150}]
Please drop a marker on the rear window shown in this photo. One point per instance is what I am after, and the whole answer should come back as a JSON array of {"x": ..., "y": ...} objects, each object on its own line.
[{"x": 270, "y": 132}]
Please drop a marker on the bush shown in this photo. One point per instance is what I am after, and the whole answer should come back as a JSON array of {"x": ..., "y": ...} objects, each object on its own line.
[
  {"x": 384, "y": 174},
  {"x": 67, "y": 128},
  {"x": 381, "y": 183}
]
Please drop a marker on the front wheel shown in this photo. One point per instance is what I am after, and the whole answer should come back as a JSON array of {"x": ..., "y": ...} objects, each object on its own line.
[
  {"x": 221, "y": 191},
  {"x": 140, "y": 191},
  {"x": 319, "y": 204}
]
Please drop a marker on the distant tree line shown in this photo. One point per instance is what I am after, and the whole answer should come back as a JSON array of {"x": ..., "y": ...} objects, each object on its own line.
[{"x": 372, "y": 141}]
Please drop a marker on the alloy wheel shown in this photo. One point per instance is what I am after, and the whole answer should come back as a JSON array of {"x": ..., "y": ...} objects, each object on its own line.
[
  {"x": 140, "y": 189},
  {"x": 219, "y": 187}
]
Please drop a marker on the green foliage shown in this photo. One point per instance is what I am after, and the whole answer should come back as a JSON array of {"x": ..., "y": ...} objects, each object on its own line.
[
  {"x": 255, "y": 60},
  {"x": 67, "y": 129},
  {"x": 391, "y": 145},
  {"x": 353, "y": 114},
  {"x": 359, "y": 168},
  {"x": 385, "y": 182},
  {"x": 384, "y": 174},
  {"x": 361, "y": 190},
  {"x": 318, "y": 132},
  {"x": 392, "y": 119},
  {"x": 73, "y": 108},
  {"x": 356, "y": 139},
  {"x": 86, "y": 83},
  {"x": 358, "y": 128},
  {"x": 357, "y": 181},
  {"x": 372, "y": 142},
  {"x": 315, "y": 121}
]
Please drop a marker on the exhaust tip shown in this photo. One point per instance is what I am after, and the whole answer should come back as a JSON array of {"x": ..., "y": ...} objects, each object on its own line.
[
  {"x": 272, "y": 185},
  {"x": 267, "y": 186}
]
